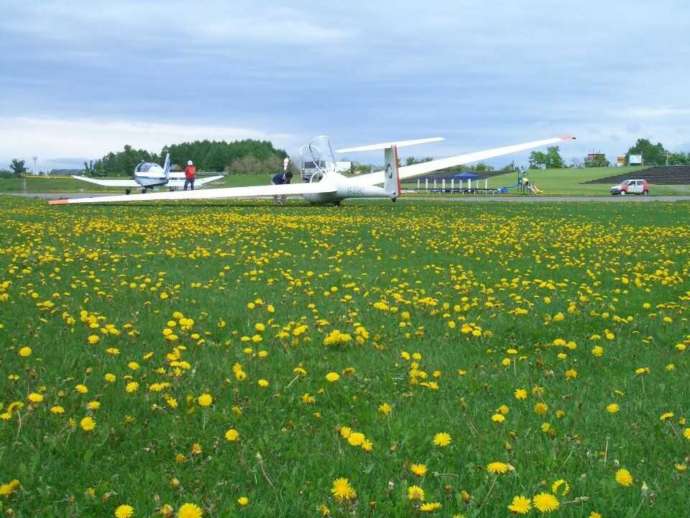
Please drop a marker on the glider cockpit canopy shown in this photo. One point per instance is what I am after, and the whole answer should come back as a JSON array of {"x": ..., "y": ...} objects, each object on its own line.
[{"x": 315, "y": 160}]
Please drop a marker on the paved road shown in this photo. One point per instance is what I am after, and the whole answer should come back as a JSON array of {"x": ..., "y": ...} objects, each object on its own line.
[{"x": 440, "y": 198}]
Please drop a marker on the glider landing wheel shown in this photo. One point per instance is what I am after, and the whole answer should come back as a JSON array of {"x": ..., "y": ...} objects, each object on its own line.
[{"x": 128, "y": 191}]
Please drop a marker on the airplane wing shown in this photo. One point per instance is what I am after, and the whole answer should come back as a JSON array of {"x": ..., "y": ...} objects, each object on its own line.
[
  {"x": 178, "y": 183},
  {"x": 107, "y": 183},
  {"x": 181, "y": 176},
  {"x": 259, "y": 191},
  {"x": 207, "y": 179},
  {"x": 411, "y": 171}
]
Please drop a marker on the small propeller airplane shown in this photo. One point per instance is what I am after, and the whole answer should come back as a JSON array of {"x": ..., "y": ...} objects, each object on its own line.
[
  {"x": 148, "y": 175},
  {"x": 326, "y": 186}
]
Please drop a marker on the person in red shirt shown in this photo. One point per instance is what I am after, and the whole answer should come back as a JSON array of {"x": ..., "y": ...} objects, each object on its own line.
[{"x": 189, "y": 175}]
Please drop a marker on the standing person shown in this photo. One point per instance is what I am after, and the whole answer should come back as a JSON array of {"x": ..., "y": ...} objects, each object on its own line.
[
  {"x": 189, "y": 175},
  {"x": 283, "y": 178}
]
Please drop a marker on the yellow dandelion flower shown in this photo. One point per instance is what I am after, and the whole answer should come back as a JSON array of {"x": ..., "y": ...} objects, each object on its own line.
[
  {"x": 9, "y": 488},
  {"x": 24, "y": 352},
  {"x": 356, "y": 439},
  {"x": 520, "y": 505},
  {"x": 442, "y": 439},
  {"x": 232, "y": 435},
  {"x": 263, "y": 383},
  {"x": 430, "y": 507},
  {"x": 418, "y": 469},
  {"x": 498, "y": 468},
  {"x": 332, "y": 377},
  {"x": 57, "y": 410},
  {"x": 87, "y": 424},
  {"x": 243, "y": 501},
  {"x": 541, "y": 408},
  {"x": 624, "y": 478},
  {"x": 385, "y": 408},
  {"x": 520, "y": 393},
  {"x": 189, "y": 511},
  {"x": 686, "y": 433},
  {"x": 342, "y": 490},
  {"x": 546, "y": 502},
  {"x": 35, "y": 397},
  {"x": 612, "y": 408},
  {"x": 415, "y": 493},
  {"x": 205, "y": 400},
  {"x": 560, "y": 486},
  {"x": 124, "y": 511}
]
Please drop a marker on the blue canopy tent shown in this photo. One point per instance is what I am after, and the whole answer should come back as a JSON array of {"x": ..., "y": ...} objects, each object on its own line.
[{"x": 464, "y": 176}]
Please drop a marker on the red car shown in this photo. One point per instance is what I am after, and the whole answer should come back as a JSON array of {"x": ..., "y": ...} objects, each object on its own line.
[{"x": 631, "y": 187}]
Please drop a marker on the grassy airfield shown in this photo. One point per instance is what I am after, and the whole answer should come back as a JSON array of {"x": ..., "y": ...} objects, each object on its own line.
[
  {"x": 373, "y": 360},
  {"x": 570, "y": 182}
]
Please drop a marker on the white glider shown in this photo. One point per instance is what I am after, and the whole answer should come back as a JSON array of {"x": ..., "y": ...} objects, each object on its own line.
[{"x": 329, "y": 186}]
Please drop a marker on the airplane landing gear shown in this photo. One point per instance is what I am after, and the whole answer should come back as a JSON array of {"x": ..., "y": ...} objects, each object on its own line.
[{"x": 128, "y": 191}]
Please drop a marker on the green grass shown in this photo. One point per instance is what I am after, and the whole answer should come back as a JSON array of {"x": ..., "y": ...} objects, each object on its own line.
[
  {"x": 266, "y": 285},
  {"x": 571, "y": 181}
]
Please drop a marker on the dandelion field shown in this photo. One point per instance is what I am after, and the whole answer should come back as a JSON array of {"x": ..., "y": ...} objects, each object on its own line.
[{"x": 403, "y": 359}]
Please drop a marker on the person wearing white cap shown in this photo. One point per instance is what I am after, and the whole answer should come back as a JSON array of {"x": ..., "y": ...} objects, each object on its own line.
[{"x": 189, "y": 175}]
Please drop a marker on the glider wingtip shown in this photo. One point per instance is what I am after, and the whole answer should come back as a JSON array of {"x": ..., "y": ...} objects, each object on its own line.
[
  {"x": 567, "y": 137},
  {"x": 62, "y": 201}
]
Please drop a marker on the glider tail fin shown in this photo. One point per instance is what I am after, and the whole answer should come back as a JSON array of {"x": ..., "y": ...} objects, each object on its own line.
[
  {"x": 166, "y": 166},
  {"x": 392, "y": 175}
]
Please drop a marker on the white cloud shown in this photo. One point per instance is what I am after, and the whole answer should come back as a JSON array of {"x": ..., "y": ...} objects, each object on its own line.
[
  {"x": 656, "y": 112},
  {"x": 23, "y": 137},
  {"x": 180, "y": 23}
]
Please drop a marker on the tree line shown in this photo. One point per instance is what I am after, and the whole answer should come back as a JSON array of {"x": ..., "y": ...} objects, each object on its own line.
[
  {"x": 652, "y": 155},
  {"x": 238, "y": 157}
]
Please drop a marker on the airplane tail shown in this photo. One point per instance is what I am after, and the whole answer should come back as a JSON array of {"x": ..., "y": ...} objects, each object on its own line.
[
  {"x": 166, "y": 167},
  {"x": 392, "y": 175}
]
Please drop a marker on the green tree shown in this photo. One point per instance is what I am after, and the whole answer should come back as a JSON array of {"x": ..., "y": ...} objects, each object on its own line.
[
  {"x": 679, "y": 159},
  {"x": 554, "y": 160},
  {"x": 597, "y": 160},
  {"x": 652, "y": 154},
  {"x": 537, "y": 160},
  {"x": 18, "y": 167}
]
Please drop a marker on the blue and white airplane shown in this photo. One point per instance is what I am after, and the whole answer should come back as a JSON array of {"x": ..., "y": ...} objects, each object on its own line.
[{"x": 148, "y": 175}]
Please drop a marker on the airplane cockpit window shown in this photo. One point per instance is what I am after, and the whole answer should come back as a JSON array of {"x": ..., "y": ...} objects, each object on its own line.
[
  {"x": 315, "y": 159},
  {"x": 143, "y": 167}
]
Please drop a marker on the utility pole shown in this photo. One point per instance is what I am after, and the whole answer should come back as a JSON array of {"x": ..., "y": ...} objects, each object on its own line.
[{"x": 35, "y": 165}]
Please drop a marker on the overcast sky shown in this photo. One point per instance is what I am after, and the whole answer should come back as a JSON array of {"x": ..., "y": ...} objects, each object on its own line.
[{"x": 81, "y": 78}]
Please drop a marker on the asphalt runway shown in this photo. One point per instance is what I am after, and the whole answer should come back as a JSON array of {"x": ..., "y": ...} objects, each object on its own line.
[{"x": 440, "y": 198}]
